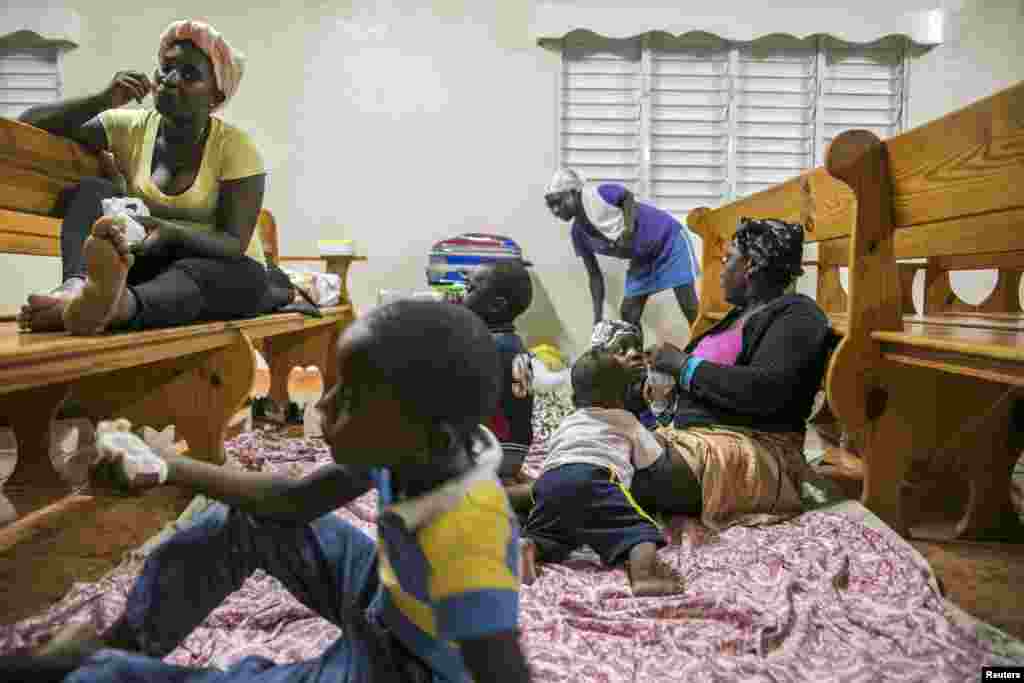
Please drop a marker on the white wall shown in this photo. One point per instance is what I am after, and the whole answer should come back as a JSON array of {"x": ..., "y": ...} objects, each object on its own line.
[{"x": 398, "y": 124}]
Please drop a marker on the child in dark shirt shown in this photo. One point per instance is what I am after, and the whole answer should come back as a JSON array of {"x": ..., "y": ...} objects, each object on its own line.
[{"x": 500, "y": 292}]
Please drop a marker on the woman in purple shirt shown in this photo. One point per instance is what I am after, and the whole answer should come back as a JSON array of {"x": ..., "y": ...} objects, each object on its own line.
[{"x": 607, "y": 220}]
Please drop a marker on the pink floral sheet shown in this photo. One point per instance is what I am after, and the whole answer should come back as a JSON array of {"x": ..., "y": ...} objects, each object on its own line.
[{"x": 824, "y": 597}]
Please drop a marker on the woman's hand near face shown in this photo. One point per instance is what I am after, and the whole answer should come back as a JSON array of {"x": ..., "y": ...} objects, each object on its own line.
[{"x": 126, "y": 86}]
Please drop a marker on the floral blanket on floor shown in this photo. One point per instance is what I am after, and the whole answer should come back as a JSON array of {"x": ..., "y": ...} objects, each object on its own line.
[{"x": 823, "y": 597}]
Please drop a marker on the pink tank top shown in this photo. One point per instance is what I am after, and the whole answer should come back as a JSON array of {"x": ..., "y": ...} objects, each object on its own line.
[{"x": 722, "y": 348}]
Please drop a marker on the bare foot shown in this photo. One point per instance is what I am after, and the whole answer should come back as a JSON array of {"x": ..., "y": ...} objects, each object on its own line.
[
  {"x": 76, "y": 641},
  {"x": 527, "y": 561},
  {"x": 648, "y": 576},
  {"x": 45, "y": 312},
  {"x": 656, "y": 585},
  {"x": 107, "y": 260}
]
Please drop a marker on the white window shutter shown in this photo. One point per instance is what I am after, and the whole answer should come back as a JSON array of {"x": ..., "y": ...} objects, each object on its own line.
[
  {"x": 775, "y": 91},
  {"x": 600, "y": 124},
  {"x": 862, "y": 87},
  {"x": 688, "y": 123},
  {"x": 697, "y": 121},
  {"x": 28, "y": 76}
]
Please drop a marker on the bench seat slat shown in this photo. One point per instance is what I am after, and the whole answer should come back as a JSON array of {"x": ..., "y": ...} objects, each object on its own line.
[
  {"x": 28, "y": 147},
  {"x": 995, "y": 321},
  {"x": 38, "y": 359},
  {"x": 22, "y": 233},
  {"x": 972, "y": 341},
  {"x": 30, "y": 191}
]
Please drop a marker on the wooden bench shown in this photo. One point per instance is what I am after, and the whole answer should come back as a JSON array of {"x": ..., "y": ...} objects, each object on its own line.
[
  {"x": 195, "y": 377},
  {"x": 943, "y": 384}
]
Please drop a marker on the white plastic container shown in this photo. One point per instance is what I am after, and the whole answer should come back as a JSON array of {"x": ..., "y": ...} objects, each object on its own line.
[
  {"x": 662, "y": 388},
  {"x": 124, "y": 210},
  {"x": 8, "y": 453}
]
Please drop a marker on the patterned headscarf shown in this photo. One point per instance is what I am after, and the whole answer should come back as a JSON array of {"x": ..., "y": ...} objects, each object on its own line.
[
  {"x": 607, "y": 332},
  {"x": 228, "y": 63},
  {"x": 774, "y": 247}
]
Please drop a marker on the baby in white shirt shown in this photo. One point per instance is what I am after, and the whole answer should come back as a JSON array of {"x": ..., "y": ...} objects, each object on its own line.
[{"x": 582, "y": 496}]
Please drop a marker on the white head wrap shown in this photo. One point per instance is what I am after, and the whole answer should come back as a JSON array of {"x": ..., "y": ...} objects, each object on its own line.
[
  {"x": 565, "y": 179},
  {"x": 607, "y": 218}
]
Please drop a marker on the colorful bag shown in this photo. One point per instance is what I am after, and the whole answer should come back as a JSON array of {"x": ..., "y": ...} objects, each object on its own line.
[{"x": 451, "y": 260}]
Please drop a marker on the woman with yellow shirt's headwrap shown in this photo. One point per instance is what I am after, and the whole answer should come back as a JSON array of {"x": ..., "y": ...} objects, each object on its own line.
[{"x": 201, "y": 178}]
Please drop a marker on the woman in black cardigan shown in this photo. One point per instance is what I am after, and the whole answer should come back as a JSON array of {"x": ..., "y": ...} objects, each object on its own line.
[{"x": 744, "y": 390}]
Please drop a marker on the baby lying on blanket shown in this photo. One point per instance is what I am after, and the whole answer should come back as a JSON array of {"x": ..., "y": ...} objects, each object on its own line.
[{"x": 582, "y": 496}]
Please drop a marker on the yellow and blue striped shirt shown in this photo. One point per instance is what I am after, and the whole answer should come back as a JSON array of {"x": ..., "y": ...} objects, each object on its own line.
[{"x": 449, "y": 564}]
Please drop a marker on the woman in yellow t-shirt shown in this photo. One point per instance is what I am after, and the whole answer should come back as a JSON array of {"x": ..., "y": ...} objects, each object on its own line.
[{"x": 201, "y": 178}]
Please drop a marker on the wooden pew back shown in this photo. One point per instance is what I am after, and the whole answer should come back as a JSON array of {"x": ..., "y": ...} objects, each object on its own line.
[{"x": 956, "y": 202}]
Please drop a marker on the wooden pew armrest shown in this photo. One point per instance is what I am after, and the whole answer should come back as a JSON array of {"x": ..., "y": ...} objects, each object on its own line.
[{"x": 975, "y": 342}]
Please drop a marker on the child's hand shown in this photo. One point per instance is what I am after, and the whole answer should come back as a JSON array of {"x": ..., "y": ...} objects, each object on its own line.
[
  {"x": 522, "y": 375},
  {"x": 124, "y": 461}
]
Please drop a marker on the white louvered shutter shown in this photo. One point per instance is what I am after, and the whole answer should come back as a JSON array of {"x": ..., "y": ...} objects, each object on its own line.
[
  {"x": 687, "y": 123},
  {"x": 774, "y": 103},
  {"x": 600, "y": 122},
  {"x": 28, "y": 76},
  {"x": 697, "y": 121},
  {"x": 862, "y": 87}
]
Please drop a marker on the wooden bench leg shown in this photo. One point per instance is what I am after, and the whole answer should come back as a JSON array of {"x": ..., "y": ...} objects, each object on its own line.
[
  {"x": 35, "y": 483},
  {"x": 198, "y": 394},
  {"x": 316, "y": 346},
  {"x": 989, "y": 460},
  {"x": 885, "y": 451},
  {"x": 81, "y": 537},
  {"x": 963, "y": 438},
  {"x": 30, "y": 414}
]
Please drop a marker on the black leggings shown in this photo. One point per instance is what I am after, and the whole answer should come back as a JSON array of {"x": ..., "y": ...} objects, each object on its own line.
[{"x": 176, "y": 289}]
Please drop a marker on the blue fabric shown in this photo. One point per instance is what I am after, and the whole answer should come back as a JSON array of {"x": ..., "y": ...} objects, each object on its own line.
[
  {"x": 328, "y": 565},
  {"x": 660, "y": 257},
  {"x": 686, "y": 377},
  {"x": 580, "y": 504},
  {"x": 677, "y": 267}
]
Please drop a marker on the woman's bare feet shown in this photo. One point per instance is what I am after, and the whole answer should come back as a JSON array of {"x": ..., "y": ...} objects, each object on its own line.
[
  {"x": 107, "y": 260},
  {"x": 527, "y": 561},
  {"x": 45, "y": 312}
]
